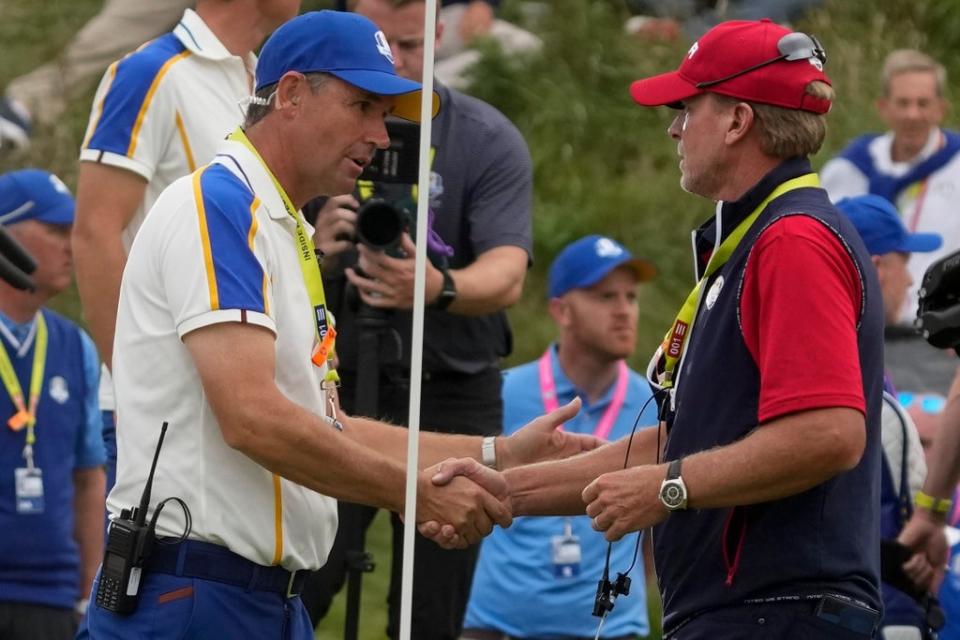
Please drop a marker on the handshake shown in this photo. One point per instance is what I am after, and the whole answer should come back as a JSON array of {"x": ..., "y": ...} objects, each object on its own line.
[{"x": 460, "y": 499}]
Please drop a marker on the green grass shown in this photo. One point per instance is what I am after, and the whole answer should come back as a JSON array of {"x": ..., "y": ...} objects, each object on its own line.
[{"x": 601, "y": 164}]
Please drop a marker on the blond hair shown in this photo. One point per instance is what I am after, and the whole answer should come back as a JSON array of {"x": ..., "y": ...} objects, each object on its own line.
[
  {"x": 911, "y": 60},
  {"x": 787, "y": 133}
]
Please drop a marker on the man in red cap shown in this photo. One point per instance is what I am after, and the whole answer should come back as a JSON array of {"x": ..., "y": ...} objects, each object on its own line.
[{"x": 765, "y": 496}]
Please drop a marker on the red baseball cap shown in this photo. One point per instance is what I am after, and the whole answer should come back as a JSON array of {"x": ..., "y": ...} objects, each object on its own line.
[{"x": 757, "y": 61}]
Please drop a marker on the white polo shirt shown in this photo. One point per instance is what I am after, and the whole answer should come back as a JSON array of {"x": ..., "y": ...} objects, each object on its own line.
[
  {"x": 218, "y": 246},
  {"x": 161, "y": 112},
  {"x": 927, "y": 206}
]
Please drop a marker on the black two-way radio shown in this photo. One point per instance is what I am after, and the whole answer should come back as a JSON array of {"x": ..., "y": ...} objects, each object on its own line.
[{"x": 130, "y": 540}]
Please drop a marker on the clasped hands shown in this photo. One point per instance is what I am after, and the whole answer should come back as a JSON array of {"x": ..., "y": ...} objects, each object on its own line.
[{"x": 460, "y": 500}]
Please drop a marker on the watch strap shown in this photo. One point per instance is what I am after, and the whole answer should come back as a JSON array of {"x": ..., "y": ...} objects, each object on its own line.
[
  {"x": 673, "y": 469},
  {"x": 448, "y": 292}
]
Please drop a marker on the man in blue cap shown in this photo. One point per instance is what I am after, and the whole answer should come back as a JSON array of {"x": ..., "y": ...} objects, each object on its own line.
[
  {"x": 223, "y": 331},
  {"x": 51, "y": 454},
  {"x": 537, "y": 578},
  {"x": 890, "y": 244}
]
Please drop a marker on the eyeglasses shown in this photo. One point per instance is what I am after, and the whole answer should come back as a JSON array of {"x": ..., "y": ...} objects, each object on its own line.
[
  {"x": 793, "y": 46},
  {"x": 929, "y": 402}
]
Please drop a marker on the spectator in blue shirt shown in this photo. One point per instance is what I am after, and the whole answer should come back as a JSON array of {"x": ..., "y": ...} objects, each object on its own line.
[
  {"x": 538, "y": 578},
  {"x": 51, "y": 452}
]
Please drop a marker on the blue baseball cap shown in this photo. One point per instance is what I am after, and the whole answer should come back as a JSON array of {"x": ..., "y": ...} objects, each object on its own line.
[
  {"x": 34, "y": 194},
  {"x": 346, "y": 45},
  {"x": 587, "y": 261},
  {"x": 879, "y": 225}
]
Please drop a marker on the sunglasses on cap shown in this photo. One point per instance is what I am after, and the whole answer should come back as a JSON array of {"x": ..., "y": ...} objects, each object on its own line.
[{"x": 793, "y": 46}]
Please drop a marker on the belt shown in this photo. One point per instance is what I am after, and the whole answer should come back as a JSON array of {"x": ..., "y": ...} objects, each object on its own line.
[
  {"x": 846, "y": 615},
  {"x": 206, "y": 561}
]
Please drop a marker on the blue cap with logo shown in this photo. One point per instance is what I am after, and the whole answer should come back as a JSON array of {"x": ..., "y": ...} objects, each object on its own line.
[
  {"x": 34, "y": 194},
  {"x": 587, "y": 261},
  {"x": 346, "y": 45},
  {"x": 879, "y": 225}
]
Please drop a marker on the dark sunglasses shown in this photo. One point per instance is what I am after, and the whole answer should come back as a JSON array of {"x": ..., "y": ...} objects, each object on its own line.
[{"x": 793, "y": 46}]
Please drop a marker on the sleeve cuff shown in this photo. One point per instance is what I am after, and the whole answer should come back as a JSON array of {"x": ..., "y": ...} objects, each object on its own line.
[
  {"x": 242, "y": 316},
  {"x": 117, "y": 160}
]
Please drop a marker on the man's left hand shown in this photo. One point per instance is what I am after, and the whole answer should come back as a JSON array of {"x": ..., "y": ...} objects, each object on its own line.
[
  {"x": 387, "y": 281},
  {"x": 540, "y": 439},
  {"x": 624, "y": 501}
]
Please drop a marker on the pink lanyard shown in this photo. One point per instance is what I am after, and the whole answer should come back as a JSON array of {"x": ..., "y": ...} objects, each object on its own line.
[{"x": 548, "y": 391}]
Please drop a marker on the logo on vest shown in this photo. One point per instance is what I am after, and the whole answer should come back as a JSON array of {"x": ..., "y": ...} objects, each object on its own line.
[
  {"x": 714, "y": 292},
  {"x": 58, "y": 389},
  {"x": 383, "y": 46}
]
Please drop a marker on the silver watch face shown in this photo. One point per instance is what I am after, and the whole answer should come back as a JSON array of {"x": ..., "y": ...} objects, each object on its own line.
[{"x": 673, "y": 494}]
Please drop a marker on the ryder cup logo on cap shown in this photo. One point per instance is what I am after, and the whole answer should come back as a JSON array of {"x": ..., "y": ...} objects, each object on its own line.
[
  {"x": 756, "y": 61},
  {"x": 588, "y": 260},
  {"x": 346, "y": 45},
  {"x": 34, "y": 194}
]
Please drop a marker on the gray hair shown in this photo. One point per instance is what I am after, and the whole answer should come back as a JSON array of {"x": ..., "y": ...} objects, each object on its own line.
[{"x": 261, "y": 103}]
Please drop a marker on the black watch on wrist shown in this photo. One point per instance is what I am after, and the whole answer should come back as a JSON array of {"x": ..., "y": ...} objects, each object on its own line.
[
  {"x": 448, "y": 293},
  {"x": 673, "y": 491}
]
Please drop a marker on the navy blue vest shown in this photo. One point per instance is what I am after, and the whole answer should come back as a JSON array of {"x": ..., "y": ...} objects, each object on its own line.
[
  {"x": 823, "y": 540},
  {"x": 39, "y": 559}
]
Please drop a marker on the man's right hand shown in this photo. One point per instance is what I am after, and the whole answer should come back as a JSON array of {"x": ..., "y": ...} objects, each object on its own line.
[
  {"x": 336, "y": 225},
  {"x": 459, "y": 501}
]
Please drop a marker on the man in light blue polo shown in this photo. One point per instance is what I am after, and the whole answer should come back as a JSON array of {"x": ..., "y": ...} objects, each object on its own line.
[{"x": 538, "y": 578}]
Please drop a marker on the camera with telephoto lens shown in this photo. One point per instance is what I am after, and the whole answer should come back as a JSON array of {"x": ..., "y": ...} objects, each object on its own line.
[
  {"x": 938, "y": 317},
  {"x": 382, "y": 219}
]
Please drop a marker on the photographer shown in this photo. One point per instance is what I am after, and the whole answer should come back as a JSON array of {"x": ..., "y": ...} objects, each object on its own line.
[{"x": 481, "y": 197}]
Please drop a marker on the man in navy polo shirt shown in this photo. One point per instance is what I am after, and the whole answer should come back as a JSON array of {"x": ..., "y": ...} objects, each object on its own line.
[
  {"x": 765, "y": 497},
  {"x": 51, "y": 453}
]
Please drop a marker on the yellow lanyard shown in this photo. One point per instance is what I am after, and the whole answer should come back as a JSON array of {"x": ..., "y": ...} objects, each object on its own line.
[
  {"x": 676, "y": 338},
  {"x": 26, "y": 415},
  {"x": 309, "y": 266}
]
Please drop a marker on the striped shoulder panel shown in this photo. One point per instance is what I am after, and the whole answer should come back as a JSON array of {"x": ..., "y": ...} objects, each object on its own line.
[
  {"x": 226, "y": 214},
  {"x": 134, "y": 85}
]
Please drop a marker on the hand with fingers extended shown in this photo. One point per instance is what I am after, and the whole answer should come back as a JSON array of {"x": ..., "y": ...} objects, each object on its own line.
[
  {"x": 459, "y": 501},
  {"x": 924, "y": 535},
  {"x": 624, "y": 501},
  {"x": 336, "y": 225},
  {"x": 542, "y": 439},
  {"x": 385, "y": 281}
]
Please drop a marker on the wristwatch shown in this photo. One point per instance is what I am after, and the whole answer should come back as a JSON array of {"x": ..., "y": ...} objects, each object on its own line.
[
  {"x": 673, "y": 492},
  {"x": 448, "y": 293}
]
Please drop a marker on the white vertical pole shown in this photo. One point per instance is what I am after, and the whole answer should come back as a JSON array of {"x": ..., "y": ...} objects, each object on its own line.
[{"x": 416, "y": 348}]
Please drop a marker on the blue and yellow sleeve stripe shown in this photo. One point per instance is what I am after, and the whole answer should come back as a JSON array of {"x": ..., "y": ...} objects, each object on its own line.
[
  {"x": 226, "y": 215},
  {"x": 135, "y": 81}
]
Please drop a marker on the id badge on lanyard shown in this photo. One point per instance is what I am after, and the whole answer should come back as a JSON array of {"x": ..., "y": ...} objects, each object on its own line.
[
  {"x": 29, "y": 490},
  {"x": 565, "y": 552}
]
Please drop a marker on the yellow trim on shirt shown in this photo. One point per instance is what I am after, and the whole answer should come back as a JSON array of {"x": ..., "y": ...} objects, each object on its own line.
[
  {"x": 277, "y": 520},
  {"x": 146, "y": 101},
  {"x": 187, "y": 151},
  {"x": 205, "y": 241},
  {"x": 250, "y": 236}
]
